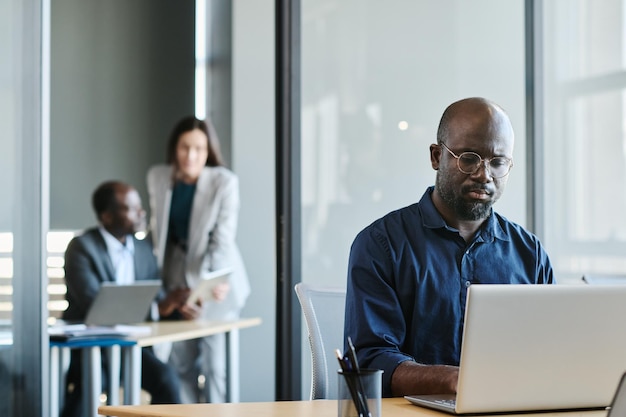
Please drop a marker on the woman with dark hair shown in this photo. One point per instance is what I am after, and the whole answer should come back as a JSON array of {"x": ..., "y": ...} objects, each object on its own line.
[{"x": 194, "y": 202}]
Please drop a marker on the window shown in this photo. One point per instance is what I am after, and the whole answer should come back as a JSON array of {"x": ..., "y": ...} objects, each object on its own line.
[{"x": 584, "y": 142}]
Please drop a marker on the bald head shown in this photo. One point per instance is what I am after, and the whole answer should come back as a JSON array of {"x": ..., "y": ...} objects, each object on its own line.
[
  {"x": 105, "y": 197},
  {"x": 469, "y": 114},
  {"x": 118, "y": 208}
]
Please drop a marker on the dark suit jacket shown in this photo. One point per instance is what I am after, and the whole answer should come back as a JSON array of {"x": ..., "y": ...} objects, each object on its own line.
[{"x": 87, "y": 265}]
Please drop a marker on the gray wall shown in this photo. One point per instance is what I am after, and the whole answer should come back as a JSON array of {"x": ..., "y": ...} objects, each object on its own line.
[
  {"x": 219, "y": 69},
  {"x": 122, "y": 75}
]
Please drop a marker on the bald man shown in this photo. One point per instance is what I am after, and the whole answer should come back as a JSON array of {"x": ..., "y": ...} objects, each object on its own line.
[{"x": 409, "y": 271}]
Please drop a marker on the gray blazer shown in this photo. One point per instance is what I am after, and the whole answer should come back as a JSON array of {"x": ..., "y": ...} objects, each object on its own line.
[
  {"x": 87, "y": 265},
  {"x": 211, "y": 243}
]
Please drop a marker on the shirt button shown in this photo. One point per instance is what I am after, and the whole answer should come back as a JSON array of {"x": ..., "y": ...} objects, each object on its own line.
[{"x": 467, "y": 284}]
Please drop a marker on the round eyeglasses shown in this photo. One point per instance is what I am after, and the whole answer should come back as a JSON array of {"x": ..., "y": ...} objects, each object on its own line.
[{"x": 470, "y": 163}]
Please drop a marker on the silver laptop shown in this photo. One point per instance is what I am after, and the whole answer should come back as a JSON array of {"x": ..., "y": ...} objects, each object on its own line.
[
  {"x": 618, "y": 405},
  {"x": 122, "y": 304},
  {"x": 604, "y": 279},
  {"x": 538, "y": 348}
]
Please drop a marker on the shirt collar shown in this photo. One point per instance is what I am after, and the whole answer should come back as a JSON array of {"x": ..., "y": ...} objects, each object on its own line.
[
  {"x": 115, "y": 245},
  {"x": 490, "y": 230}
]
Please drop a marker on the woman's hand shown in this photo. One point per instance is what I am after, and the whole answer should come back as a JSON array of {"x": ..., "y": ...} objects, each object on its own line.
[{"x": 220, "y": 291}]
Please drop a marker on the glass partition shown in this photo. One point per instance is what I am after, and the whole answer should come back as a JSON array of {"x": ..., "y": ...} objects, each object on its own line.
[
  {"x": 376, "y": 77},
  {"x": 9, "y": 93},
  {"x": 23, "y": 336}
]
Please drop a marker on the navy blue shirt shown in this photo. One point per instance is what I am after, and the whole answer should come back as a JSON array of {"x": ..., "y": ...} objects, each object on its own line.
[{"x": 408, "y": 275}]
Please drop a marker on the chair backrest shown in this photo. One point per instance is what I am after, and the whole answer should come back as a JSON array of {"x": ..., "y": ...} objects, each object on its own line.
[{"x": 323, "y": 309}]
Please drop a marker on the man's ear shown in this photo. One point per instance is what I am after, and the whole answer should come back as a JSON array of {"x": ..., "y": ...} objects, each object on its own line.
[
  {"x": 105, "y": 218},
  {"x": 435, "y": 156}
]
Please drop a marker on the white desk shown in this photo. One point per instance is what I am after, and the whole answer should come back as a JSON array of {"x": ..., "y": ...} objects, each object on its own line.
[
  {"x": 164, "y": 331},
  {"x": 391, "y": 407}
]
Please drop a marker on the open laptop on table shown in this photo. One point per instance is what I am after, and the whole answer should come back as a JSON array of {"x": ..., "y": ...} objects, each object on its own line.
[
  {"x": 604, "y": 279},
  {"x": 122, "y": 304},
  {"x": 618, "y": 405},
  {"x": 538, "y": 348}
]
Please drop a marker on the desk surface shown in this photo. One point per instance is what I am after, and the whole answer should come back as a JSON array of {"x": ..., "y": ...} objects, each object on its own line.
[
  {"x": 391, "y": 407},
  {"x": 174, "y": 331}
]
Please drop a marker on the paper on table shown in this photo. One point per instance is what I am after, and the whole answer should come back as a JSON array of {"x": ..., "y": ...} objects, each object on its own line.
[
  {"x": 81, "y": 331},
  {"x": 133, "y": 330},
  {"x": 88, "y": 332}
]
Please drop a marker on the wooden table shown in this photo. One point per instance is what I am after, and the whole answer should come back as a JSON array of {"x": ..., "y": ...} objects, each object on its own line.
[
  {"x": 175, "y": 331},
  {"x": 391, "y": 407},
  {"x": 130, "y": 347}
]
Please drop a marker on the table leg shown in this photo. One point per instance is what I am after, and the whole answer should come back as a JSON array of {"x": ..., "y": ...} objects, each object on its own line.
[
  {"x": 59, "y": 359},
  {"x": 132, "y": 374},
  {"x": 55, "y": 390},
  {"x": 92, "y": 379},
  {"x": 113, "y": 354},
  {"x": 65, "y": 354},
  {"x": 232, "y": 366}
]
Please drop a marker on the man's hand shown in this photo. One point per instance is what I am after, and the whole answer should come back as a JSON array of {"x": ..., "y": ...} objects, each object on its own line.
[
  {"x": 173, "y": 301},
  {"x": 413, "y": 378}
]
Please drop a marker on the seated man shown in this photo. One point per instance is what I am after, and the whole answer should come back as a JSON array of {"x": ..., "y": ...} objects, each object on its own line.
[
  {"x": 409, "y": 271},
  {"x": 110, "y": 252}
]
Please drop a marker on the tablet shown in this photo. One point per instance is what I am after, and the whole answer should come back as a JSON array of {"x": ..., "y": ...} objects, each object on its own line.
[{"x": 207, "y": 283}]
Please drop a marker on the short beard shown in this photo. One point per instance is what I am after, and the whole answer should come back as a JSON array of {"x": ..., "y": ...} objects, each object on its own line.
[
  {"x": 473, "y": 211},
  {"x": 466, "y": 211}
]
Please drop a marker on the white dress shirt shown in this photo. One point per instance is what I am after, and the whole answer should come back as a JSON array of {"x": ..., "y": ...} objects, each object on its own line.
[{"x": 122, "y": 257}]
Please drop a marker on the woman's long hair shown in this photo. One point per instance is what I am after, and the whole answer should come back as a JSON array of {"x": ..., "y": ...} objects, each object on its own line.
[{"x": 188, "y": 124}]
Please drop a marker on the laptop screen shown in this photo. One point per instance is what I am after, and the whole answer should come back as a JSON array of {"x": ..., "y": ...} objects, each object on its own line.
[
  {"x": 541, "y": 347},
  {"x": 122, "y": 304}
]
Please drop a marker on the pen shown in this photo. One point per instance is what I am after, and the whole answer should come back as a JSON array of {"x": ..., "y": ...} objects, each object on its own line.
[
  {"x": 343, "y": 361},
  {"x": 352, "y": 356},
  {"x": 355, "y": 368},
  {"x": 348, "y": 374}
]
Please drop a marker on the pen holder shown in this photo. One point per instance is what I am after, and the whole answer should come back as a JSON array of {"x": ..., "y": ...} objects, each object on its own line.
[{"x": 359, "y": 393}]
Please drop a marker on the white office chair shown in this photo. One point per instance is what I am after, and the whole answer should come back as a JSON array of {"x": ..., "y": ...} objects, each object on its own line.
[{"x": 323, "y": 309}]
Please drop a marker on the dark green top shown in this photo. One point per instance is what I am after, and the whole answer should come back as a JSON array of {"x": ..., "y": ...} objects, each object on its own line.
[{"x": 180, "y": 212}]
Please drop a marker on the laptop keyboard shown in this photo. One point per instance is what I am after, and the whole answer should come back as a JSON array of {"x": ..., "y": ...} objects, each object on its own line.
[{"x": 448, "y": 403}]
